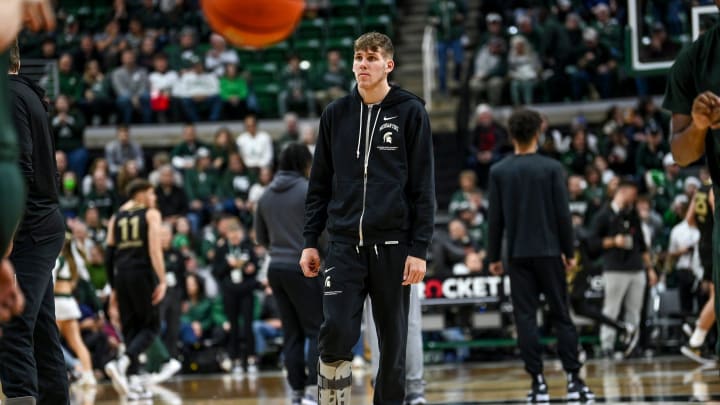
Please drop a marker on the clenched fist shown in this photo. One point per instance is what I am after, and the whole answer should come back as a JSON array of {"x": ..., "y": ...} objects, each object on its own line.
[
  {"x": 706, "y": 110},
  {"x": 310, "y": 262}
]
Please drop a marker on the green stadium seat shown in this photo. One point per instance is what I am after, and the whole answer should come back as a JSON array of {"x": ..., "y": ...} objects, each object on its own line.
[
  {"x": 381, "y": 23},
  {"x": 277, "y": 53},
  {"x": 261, "y": 73},
  {"x": 310, "y": 50},
  {"x": 202, "y": 49},
  {"x": 248, "y": 56},
  {"x": 77, "y": 7},
  {"x": 380, "y": 7},
  {"x": 267, "y": 96},
  {"x": 345, "y": 8},
  {"x": 343, "y": 27},
  {"x": 311, "y": 29}
]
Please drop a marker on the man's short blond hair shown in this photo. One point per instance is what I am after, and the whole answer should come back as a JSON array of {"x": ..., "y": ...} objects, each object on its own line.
[{"x": 375, "y": 42}]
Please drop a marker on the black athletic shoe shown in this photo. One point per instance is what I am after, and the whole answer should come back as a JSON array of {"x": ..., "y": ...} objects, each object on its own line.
[
  {"x": 539, "y": 392},
  {"x": 577, "y": 391}
]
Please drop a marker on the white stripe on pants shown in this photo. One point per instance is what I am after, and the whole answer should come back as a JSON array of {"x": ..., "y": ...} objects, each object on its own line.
[
  {"x": 414, "y": 351},
  {"x": 623, "y": 290}
]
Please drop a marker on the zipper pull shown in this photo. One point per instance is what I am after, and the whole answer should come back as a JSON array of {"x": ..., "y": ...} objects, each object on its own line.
[{"x": 377, "y": 255}]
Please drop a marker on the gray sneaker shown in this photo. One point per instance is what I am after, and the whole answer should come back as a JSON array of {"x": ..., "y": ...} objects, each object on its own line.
[
  {"x": 415, "y": 398},
  {"x": 309, "y": 400}
]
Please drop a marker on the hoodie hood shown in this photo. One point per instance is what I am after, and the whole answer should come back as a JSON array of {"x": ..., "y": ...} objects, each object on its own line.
[
  {"x": 32, "y": 85},
  {"x": 396, "y": 95},
  {"x": 285, "y": 180}
]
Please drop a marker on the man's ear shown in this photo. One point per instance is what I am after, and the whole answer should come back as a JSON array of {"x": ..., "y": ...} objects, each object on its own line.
[{"x": 390, "y": 66}]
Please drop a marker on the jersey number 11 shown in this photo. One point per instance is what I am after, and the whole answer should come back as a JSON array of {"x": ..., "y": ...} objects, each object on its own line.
[{"x": 134, "y": 231}]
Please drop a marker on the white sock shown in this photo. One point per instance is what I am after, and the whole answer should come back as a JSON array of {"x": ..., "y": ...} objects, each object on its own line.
[{"x": 698, "y": 337}]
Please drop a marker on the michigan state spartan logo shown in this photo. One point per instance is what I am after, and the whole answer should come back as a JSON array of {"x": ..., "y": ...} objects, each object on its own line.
[{"x": 387, "y": 138}]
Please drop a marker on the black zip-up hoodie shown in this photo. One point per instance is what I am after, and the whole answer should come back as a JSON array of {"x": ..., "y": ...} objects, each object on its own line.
[
  {"x": 37, "y": 158},
  {"x": 372, "y": 179}
]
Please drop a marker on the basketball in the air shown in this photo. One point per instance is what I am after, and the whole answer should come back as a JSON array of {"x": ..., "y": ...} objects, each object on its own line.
[{"x": 253, "y": 23}]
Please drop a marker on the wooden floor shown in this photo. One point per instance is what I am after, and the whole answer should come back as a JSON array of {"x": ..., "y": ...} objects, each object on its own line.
[{"x": 664, "y": 380}]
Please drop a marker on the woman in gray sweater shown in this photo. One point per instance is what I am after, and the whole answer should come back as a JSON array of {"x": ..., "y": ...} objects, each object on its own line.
[{"x": 279, "y": 221}]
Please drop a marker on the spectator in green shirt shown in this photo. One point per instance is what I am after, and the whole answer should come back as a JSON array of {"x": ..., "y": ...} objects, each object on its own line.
[
  {"x": 69, "y": 82},
  {"x": 234, "y": 93},
  {"x": 200, "y": 185},
  {"x": 202, "y": 317}
]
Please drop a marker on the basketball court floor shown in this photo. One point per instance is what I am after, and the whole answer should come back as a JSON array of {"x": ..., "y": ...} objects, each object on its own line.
[{"x": 661, "y": 380}]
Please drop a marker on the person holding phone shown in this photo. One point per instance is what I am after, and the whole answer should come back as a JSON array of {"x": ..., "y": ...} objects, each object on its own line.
[{"x": 627, "y": 266}]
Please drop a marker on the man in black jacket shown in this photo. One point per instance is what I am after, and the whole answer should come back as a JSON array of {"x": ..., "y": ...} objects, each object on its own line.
[
  {"x": 375, "y": 193},
  {"x": 31, "y": 360},
  {"x": 617, "y": 232},
  {"x": 529, "y": 201}
]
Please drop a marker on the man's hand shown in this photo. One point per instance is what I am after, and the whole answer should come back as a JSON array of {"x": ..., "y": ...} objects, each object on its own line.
[
  {"x": 568, "y": 263},
  {"x": 619, "y": 241},
  {"x": 159, "y": 293},
  {"x": 706, "y": 110},
  {"x": 414, "y": 270},
  {"x": 38, "y": 15},
  {"x": 652, "y": 277},
  {"x": 496, "y": 269},
  {"x": 197, "y": 328},
  {"x": 12, "y": 300},
  {"x": 310, "y": 262}
]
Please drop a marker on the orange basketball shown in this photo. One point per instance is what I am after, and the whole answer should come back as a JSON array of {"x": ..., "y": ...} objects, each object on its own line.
[{"x": 253, "y": 23}]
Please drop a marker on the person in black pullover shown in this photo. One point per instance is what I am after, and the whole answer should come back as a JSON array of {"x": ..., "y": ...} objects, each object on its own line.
[
  {"x": 529, "y": 201},
  {"x": 617, "y": 232},
  {"x": 235, "y": 269},
  {"x": 372, "y": 187}
]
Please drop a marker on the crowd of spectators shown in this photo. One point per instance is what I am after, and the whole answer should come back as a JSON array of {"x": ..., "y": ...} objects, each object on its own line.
[
  {"x": 527, "y": 53},
  {"x": 149, "y": 61}
]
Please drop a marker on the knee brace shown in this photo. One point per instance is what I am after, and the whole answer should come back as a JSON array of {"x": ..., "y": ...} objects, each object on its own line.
[{"x": 334, "y": 382}]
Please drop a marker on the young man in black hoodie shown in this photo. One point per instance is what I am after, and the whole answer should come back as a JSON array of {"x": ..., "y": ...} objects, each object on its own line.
[
  {"x": 375, "y": 194},
  {"x": 279, "y": 226},
  {"x": 529, "y": 200},
  {"x": 31, "y": 360}
]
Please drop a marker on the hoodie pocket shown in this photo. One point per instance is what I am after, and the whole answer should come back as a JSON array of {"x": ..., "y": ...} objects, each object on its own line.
[
  {"x": 346, "y": 205},
  {"x": 386, "y": 208}
]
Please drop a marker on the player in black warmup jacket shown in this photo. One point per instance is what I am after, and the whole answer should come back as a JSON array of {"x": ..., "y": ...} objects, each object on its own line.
[
  {"x": 136, "y": 272},
  {"x": 529, "y": 200},
  {"x": 372, "y": 187}
]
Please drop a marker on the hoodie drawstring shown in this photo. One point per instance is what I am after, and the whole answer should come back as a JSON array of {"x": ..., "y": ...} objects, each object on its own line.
[{"x": 357, "y": 153}]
